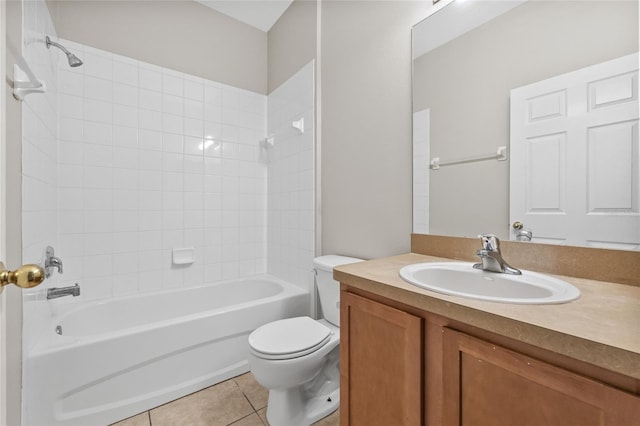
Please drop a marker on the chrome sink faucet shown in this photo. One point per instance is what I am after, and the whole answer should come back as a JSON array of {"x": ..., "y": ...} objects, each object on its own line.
[
  {"x": 492, "y": 258},
  {"x": 55, "y": 292}
]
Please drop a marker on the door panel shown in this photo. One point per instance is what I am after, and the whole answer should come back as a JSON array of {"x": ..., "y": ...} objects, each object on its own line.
[{"x": 575, "y": 155}]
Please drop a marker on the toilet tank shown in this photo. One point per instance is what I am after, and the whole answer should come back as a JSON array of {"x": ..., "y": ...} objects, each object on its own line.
[{"x": 328, "y": 288}]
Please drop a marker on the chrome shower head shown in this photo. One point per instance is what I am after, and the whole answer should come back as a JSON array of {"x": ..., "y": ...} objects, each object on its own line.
[{"x": 74, "y": 61}]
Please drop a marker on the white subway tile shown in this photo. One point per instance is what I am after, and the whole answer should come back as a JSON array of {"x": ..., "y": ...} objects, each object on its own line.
[
  {"x": 125, "y": 179},
  {"x": 98, "y": 244},
  {"x": 193, "y": 109},
  {"x": 97, "y": 199},
  {"x": 172, "y": 104},
  {"x": 193, "y": 127},
  {"x": 172, "y": 200},
  {"x": 97, "y": 133},
  {"x": 97, "y": 177},
  {"x": 150, "y": 180},
  {"x": 150, "y": 220},
  {"x": 149, "y": 99},
  {"x": 150, "y": 241},
  {"x": 98, "y": 155},
  {"x": 99, "y": 111},
  {"x": 97, "y": 221},
  {"x": 70, "y": 129},
  {"x": 172, "y": 83},
  {"x": 193, "y": 88},
  {"x": 126, "y": 199},
  {"x": 125, "y": 158},
  {"x": 172, "y": 181},
  {"x": 150, "y": 120},
  {"x": 150, "y": 160},
  {"x": 125, "y": 95},
  {"x": 98, "y": 88},
  {"x": 70, "y": 106},
  {"x": 150, "y": 139},
  {"x": 70, "y": 83},
  {"x": 125, "y": 221},
  {"x": 125, "y": 72},
  {"x": 150, "y": 79},
  {"x": 124, "y": 284},
  {"x": 149, "y": 200},
  {"x": 193, "y": 201},
  {"x": 125, "y": 116},
  {"x": 125, "y": 242},
  {"x": 125, "y": 136},
  {"x": 172, "y": 162},
  {"x": 172, "y": 143},
  {"x": 172, "y": 124}
]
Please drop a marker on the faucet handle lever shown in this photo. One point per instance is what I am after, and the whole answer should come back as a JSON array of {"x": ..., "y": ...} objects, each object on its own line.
[
  {"x": 50, "y": 262},
  {"x": 490, "y": 242}
]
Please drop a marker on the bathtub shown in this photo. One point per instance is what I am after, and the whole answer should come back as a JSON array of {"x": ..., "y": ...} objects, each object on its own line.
[{"x": 105, "y": 361}]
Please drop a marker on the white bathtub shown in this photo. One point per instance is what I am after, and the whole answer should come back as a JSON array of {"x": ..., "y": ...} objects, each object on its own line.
[{"x": 117, "y": 358}]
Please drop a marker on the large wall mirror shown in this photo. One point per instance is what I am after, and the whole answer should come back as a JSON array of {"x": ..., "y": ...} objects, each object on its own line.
[{"x": 527, "y": 111}]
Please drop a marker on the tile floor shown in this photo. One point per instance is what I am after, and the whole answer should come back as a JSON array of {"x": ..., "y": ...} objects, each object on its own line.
[{"x": 240, "y": 401}]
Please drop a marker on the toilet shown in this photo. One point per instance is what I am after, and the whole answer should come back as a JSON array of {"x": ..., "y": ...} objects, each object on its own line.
[{"x": 297, "y": 359}]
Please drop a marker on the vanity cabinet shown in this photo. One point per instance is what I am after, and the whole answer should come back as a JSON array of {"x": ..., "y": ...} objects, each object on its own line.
[
  {"x": 402, "y": 366},
  {"x": 381, "y": 364},
  {"x": 488, "y": 384}
]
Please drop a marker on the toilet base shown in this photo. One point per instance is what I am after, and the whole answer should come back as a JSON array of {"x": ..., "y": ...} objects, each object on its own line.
[{"x": 283, "y": 403}]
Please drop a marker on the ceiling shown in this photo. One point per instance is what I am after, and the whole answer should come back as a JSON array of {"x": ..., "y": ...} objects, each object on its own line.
[{"x": 261, "y": 14}]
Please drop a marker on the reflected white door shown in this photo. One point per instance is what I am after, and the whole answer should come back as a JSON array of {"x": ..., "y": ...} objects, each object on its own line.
[{"x": 575, "y": 155}]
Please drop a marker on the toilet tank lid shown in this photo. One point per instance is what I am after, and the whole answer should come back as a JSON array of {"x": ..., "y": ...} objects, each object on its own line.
[{"x": 328, "y": 262}]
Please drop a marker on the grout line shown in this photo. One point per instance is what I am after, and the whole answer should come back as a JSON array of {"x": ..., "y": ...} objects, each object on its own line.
[{"x": 149, "y": 415}]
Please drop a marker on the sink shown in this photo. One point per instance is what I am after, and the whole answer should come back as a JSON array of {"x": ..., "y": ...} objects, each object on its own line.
[{"x": 461, "y": 279}]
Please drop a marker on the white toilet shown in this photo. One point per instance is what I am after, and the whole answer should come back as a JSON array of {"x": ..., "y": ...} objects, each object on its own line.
[{"x": 297, "y": 359}]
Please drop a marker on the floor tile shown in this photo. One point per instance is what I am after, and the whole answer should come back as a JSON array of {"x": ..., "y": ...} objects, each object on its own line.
[
  {"x": 332, "y": 419},
  {"x": 255, "y": 393},
  {"x": 252, "y": 420},
  {"x": 219, "y": 405},
  {"x": 263, "y": 416},
  {"x": 141, "y": 419}
]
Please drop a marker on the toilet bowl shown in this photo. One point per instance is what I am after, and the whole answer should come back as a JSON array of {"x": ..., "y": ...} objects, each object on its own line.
[{"x": 297, "y": 359}]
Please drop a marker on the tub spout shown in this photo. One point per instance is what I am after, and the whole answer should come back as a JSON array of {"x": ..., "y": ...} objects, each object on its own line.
[{"x": 55, "y": 292}]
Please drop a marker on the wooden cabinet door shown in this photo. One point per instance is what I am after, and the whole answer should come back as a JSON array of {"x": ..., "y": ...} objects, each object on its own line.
[
  {"x": 485, "y": 384},
  {"x": 381, "y": 364}
]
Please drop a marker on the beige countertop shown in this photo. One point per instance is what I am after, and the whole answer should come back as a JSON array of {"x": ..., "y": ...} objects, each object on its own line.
[{"x": 602, "y": 327}]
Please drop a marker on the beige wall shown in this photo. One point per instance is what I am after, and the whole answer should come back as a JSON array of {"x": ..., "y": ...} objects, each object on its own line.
[
  {"x": 13, "y": 236},
  {"x": 182, "y": 35},
  {"x": 291, "y": 42},
  {"x": 366, "y": 126},
  {"x": 466, "y": 84}
]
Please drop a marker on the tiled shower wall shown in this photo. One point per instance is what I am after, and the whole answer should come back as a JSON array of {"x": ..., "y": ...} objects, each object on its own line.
[
  {"x": 150, "y": 160},
  {"x": 39, "y": 133},
  {"x": 124, "y": 161},
  {"x": 290, "y": 194}
]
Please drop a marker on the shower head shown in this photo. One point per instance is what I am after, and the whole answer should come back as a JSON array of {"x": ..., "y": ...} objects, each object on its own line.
[{"x": 74, "y": 61}]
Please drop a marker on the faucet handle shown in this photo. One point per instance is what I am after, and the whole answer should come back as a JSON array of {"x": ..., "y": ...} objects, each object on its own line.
[
  {"x": 50, "y": 261},
  {"x": 490, "y": 242}
]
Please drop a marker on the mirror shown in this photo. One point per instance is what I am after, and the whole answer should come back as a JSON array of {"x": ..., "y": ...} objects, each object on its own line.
[{"x": 467, "y": 57}]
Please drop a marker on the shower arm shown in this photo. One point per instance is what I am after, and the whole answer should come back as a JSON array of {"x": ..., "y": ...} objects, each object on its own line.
[{"x": 58, "y": 45}]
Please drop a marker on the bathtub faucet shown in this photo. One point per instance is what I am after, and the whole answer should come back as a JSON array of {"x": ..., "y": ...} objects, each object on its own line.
[
  {"x": 55, "y": 292},
  {"x": 51, "y": 262}
]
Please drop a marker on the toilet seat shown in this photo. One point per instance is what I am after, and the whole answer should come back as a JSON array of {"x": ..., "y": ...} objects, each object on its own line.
[{"x": 289, "y": 338}]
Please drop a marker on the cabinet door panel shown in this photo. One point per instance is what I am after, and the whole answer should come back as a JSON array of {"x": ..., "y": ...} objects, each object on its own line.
[
  {"x": 489, "y": 385},
  {"x": 381, "y": 364}
]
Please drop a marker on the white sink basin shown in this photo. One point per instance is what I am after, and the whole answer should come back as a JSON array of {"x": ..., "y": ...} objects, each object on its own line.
[{"x": 461, "y": 279}]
